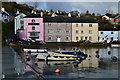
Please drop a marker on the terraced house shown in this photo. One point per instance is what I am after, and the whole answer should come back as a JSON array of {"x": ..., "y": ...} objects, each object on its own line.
[
  {"x": 33, "y": 28},
  {"x": 84, "y": 29},
  {"x": 57, "y": 29}
]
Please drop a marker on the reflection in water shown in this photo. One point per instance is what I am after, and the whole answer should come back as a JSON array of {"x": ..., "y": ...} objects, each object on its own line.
[{"x": 92, "y": 67}]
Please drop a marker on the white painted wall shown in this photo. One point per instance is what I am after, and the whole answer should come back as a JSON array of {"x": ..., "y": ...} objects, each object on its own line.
[{"x": 107, "y": 36}]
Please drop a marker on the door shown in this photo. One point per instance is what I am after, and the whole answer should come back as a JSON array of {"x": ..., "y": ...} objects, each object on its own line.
[{"x": 58, "y": 39}]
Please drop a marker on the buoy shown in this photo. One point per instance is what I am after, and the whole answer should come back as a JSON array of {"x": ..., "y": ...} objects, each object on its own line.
[
  {"x": 57, "y": 71},
  {"x": 26, "y": 51}
]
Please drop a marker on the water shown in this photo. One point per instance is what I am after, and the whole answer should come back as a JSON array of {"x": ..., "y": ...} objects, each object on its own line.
[
  {"x": 102, "y": 66},
  {"x": 92, "y": 67}
]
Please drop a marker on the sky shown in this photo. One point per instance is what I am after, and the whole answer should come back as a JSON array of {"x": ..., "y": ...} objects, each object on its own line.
[
  {"x": 82, "y": 7},
  {"x": 94, "y": 6}
]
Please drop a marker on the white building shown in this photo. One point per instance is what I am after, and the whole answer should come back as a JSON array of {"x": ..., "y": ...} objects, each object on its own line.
[
  {"x": 5, "y": 15},
  {"x": 108, "y": 34},
  {"x": 19, "y": 22}
]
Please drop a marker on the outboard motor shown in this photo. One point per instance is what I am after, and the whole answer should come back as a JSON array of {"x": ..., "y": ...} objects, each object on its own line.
[{"x": 81, "y": 55}]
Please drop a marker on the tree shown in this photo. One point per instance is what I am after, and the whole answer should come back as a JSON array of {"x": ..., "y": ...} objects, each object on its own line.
[
  {"x": 93, "y": 14},
  {"x": 87, "y": 12},
  {"x": 51, "y": 11}
]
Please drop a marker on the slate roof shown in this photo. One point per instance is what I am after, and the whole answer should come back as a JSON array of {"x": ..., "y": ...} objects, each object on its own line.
[
  {"x": 109, "y": 29},
  {"x": 64, "y": 19}
]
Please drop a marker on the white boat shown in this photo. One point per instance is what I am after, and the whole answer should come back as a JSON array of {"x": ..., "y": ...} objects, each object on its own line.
[
  {"x": 35, "y": 51},
  {"x": 51, "y": 57},
  {"x": 43, "y": 54},
  {"x": 115, "y": 45}
]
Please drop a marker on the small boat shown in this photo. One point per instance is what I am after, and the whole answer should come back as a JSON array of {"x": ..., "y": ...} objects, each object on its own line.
[
  {"x": 34, "y": 52},
  {"x": 115, "y": 45},
  {"x": 43, "y": 54},
  {"x": 52, "y": 56}
]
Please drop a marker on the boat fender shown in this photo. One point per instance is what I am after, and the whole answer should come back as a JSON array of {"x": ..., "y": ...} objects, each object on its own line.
[
  {"x": 114, "y": 58},
  {"x": 57, "y": 70},
  {"x": 29, "y": 51}
]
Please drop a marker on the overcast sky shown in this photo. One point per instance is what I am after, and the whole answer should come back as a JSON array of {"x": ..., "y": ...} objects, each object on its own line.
[{"x": 82, "y": 7}]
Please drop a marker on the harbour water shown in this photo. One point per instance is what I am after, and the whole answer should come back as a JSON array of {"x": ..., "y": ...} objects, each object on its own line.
[{"x": 100, "y": 63}]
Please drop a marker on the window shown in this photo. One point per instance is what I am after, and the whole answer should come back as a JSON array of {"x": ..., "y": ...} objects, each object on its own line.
[
  {"x": 21, "y": 22},
  {"x": 49, "y": 31},
  {"x": 99, "y": 38},
  {"x": 90, "y": 38},
  {"x": 112, "y": 33},
  {"x": 102, "y": 38},
  {"x": 58, "y": 31},
  {"x": 76, "y": 25},
  {"x": 90, "y": 31},
  {"x": 49, "y": 38},
  {"x": 82, "y": 32},
  {"x": 81, "y": 25},
  {"x": 67, "y": 31},
  {"x": 76, "y": 31},
  {"x": 82, "y": 37},
  {"x": 67, "y": 38},
  {"x": 90, "y": 25},
  {"x": 111, "y": 38},
  {"x": 21, "y": 27},
  {"x": 76, "y": 38},
  {"x": 85, "y": 38},
  {"x": 33, "y": 28},
  {"x": 34, "y": 34},
  {"x": 49, "y": 24},
  {"x": 33, "y": 20},
  {"x": 101, "y": 32},
  {"x": 67, "y": 24}
]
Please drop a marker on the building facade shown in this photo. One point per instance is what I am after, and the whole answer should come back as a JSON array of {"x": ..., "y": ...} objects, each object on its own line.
[
  {"x": 108, "y": 34},
  {"x": 57, "y": 29},
  {"x": 19, "y": 22},
  {"x": 85, "y": 31},
  {"x": 33, "y": 29},
  {"x": 5, "y": 15},
  {"x": 119, "y": 35}
]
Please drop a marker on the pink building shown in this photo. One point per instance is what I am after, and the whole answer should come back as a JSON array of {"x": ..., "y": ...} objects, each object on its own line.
[{"x": 33, "y": 29}]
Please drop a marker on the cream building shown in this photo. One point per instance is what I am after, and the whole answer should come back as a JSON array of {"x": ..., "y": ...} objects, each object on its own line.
[{"x": 85, "y": 30}]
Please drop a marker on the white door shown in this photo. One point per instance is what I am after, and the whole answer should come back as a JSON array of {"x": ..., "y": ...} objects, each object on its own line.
[{"x": 58, "y": 39}]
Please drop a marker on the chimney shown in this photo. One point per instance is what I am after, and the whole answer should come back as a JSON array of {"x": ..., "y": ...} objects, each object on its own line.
[
  {"x": 78, "y": 14},
  {"x": 17, "y": 12},
  {"x": 3, "y": 9},
  {"x": 41, "y": 14},
  {"x": 69, "y": 14},
  {"x": 32, "y": 11},
  {"x": 57, "y": 12}
]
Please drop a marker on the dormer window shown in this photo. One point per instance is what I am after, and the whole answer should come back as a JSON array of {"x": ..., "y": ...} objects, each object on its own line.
[{"x": 33, "y": 20}]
